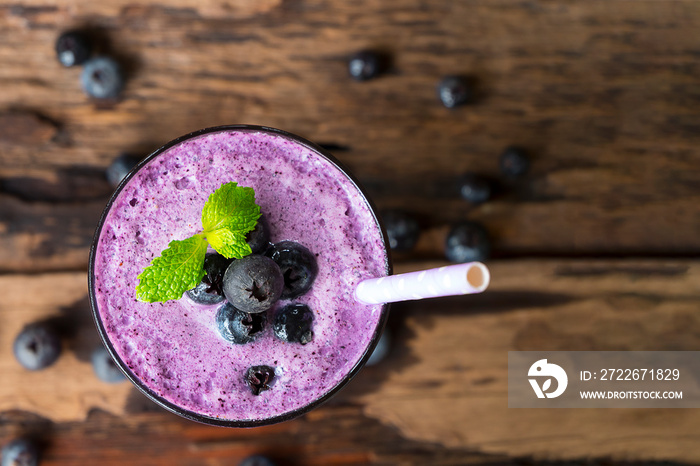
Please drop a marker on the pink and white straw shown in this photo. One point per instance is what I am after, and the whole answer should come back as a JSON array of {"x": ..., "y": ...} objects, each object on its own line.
[{"x": 451, "y": 280}]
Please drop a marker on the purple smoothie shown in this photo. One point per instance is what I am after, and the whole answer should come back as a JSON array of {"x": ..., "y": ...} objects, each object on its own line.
[{"x": 173, "y": 350}]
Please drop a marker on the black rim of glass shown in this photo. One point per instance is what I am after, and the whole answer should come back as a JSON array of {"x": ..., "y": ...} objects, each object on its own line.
[{"x": 173, "y": 407}]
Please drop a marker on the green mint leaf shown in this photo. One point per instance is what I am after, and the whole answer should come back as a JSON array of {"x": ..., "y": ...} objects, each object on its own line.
[
  {"x": 230, "y": 244},
  {"x": 231, "y": 207},
  {"x": 179, "y": 268},
  {"x": 229, "y": 213}
]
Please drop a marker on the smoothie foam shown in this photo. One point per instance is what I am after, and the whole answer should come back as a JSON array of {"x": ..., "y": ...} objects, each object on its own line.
[{"x": 174, "y": 349}]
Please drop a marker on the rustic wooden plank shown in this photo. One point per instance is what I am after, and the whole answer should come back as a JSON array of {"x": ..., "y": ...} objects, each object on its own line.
[
  {"x": 444, "y": 382},
  {"x": 603, "y": 94},
  {"x": 25, "y": 128},
  {"x": 40, "y": 236},
  {"x": 334, "y": 435}
]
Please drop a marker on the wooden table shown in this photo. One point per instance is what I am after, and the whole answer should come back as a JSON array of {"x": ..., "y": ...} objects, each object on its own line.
[{"x": 596, "y": 248}]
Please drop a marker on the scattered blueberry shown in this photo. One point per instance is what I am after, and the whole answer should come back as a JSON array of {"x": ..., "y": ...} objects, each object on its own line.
[
  {"x": 259, "y": 378},
  {"x": 382, "y": 348},
  {"x": 514, "y": 161},
  {"x": 104, "y": 366},
  {"x": 20, "y": 452},
  {"x": 239, "y": 327},
  {"x": 293, "y": 324},
  {"x": 402, "y": 230},
  {"x": 298, "y": 266},
  {"x": 474, "y": 188},
  {"x": 454, "y": 91},
  {"x": 37, "y": 346},
  {"x": 257, "y": 460},
  {"x": 102, "y": 78},
  {"x": 259, "y": 238},
  {"x": 467, "y": 242},
  {"x": 253, "y": 284},
  {"x": 365, "y": 65},
  {"x": 73, "y": 48},
  {"x": 209, "y": 290},
  {"x": 120, "y": 167}
]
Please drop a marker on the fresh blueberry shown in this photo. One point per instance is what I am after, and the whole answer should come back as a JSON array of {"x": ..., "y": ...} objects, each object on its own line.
[
  {"x": 474, "y": 188},
  {"x": 382, "y": 349},
  {"x": 259, "y": 238},
  {"x": 402, "y": 230},
  {"x": 239, "y": 327},
  {"x": 37, "y": 346},
  {"x": 120, "y": 167},
  {"x": 257, "y": 460},
  {"x": 102, "y": 78},
  {"x": 293, "y": 324},
  {"x": 259, "y": 378},
  {"x": 365, "y": 65},
  {"x": 514, "y": 161},
  {"x": 73, "y": 48},
  {"x": 454, "y": 91},
  {"x": 20, "y": 452},
  {"x": 298, "y": 266},
  {"x": 467, "y": 242},
  {"x": 104, "y": 366},
  {"x": 209, "y": 290},
  {"x": 253, "y": 284}
]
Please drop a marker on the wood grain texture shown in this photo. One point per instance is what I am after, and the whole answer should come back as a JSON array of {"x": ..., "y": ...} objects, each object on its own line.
[
  {"x": 602, "y": 94},
  {"x": 337, "y": 434},
  {"x": 25, "y": 129},
  {"x": 444, "y": 382},
  {"x": 67, "y": 390}
]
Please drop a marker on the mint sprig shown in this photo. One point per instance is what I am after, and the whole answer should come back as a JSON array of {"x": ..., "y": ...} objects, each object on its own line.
[
  {"x": 177, "y": 269},
  {"x": 229, "y": 213}
]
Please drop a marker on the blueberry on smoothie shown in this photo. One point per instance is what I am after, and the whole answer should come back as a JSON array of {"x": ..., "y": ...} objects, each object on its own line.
[
  {"x": 259, "y": 378},
  {"x": 37, "y": 346},
  {"x": 298, "y": 266},
  {"x": 73, "y": 48},
  {"x": 20, "y": 452},
  {"x": 293, "y": 323},
  {"x": 259, "y": 238},
  {"x": 239, "y": 327},
  {"x": 454, "y": 91},
  {"x": 102, "y": 78},
  {"x": 474, "y": 188},
  {"x": 365, "y": 65},
  {"x": 253, "y": 284},
  {"x": 467, "y": 242},
  {"x": 401, "y": 229},
  {"x": 209, "y": 290},
  {"x": 514, "y": 161}
]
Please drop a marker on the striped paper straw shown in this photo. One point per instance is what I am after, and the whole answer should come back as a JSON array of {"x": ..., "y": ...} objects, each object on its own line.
[{"x": 451, "y": 280}]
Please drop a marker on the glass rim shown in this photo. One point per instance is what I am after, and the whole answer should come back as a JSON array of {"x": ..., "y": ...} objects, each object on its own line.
[{"x": 192, "y": 415}]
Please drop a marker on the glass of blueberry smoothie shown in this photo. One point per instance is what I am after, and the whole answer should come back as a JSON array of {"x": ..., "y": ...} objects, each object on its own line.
[{"x": 261, "y": 338}]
